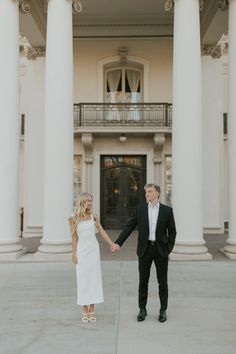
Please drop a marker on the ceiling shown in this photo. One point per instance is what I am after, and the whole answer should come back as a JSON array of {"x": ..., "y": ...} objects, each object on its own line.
[{"x": 123, "y": 18}]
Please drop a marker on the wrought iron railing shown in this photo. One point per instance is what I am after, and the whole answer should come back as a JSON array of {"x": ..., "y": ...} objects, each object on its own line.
[{"x": 118, "y": 114}]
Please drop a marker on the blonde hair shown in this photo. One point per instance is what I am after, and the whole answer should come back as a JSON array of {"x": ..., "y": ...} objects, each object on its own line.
[{"x": 79, "y": 212}]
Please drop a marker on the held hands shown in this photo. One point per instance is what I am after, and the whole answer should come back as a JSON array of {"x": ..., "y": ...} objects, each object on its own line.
[{"x": 115, "y": 247}]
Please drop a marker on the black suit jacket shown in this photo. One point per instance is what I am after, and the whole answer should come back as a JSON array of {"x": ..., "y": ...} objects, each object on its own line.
[{"x": 165, "y": 230}]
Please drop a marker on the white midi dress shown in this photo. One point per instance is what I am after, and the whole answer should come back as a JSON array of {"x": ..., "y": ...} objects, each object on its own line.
[{"x": 88, "y": 267}]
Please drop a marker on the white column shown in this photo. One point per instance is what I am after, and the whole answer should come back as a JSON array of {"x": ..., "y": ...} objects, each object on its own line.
[
  {"x": 230, "y": 248},
  {"x": 9, "y": 131},
  {"x": 58, "y": 132},
  {"x": 187, "y": 133}
]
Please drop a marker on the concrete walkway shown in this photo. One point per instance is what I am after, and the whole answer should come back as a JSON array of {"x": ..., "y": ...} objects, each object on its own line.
[{"x": 39, "y": 314}]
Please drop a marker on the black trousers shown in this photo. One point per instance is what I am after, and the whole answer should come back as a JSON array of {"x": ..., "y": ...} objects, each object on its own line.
[{"x": 145, "y": 264}]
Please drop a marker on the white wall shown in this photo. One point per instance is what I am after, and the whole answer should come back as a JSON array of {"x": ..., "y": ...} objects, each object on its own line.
[{"x": 87, "y": 54}]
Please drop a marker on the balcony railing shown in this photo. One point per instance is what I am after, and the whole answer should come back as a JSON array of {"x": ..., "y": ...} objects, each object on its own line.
[{"x": 118, "y": 114}]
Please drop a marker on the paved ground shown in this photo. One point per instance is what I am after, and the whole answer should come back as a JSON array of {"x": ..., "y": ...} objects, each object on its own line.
[
  {"x": 213, "y": 242},
  {"x": 39, "y": 312}
]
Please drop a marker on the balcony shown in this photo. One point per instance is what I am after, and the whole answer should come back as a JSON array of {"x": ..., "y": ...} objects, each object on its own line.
[{"x": 117, "y": 116}]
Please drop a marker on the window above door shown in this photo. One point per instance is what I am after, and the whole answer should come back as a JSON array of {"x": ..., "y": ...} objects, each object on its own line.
[{"x": 123, "y": 85}]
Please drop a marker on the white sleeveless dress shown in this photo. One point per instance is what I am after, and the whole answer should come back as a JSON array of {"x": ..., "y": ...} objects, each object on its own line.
[{"x": 88, "y": 267}]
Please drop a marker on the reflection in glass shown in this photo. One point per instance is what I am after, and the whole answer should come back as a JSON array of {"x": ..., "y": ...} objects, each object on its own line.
[{"x": 122, "y": 182}]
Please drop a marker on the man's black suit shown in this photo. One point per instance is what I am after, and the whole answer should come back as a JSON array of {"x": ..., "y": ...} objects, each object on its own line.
[{"x": 146, "y": 252}]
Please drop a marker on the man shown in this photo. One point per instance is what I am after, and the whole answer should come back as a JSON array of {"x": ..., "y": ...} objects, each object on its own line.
[{"x": 156, "y": 238}]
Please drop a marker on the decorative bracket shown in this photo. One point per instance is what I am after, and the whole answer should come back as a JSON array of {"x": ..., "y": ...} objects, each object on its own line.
[
  {"x": 169, "y": 5},
  {"x": 123, "y": 52},
  {"x": 87, "y": 142},
  {"x": 159, "y": 141},
  {"x": 77, "y": 6}
]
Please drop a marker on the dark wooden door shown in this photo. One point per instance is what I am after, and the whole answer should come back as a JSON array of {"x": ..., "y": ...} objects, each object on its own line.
[{"x": 122, "y": 181}]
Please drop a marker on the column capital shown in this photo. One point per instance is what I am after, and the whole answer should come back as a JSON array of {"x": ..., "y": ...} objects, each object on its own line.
[
  {"x": 222, "y": 4},
  {"x": 87, "y": 142},
  {"x": 159, "y": 141},
  {"x": 35, "y": 52},
  {"x": 76, "y": 6},
  {"x": 215, "y": 51},
  {"x": 169, "y": 5},
  {"x": 24, "y": 6}
]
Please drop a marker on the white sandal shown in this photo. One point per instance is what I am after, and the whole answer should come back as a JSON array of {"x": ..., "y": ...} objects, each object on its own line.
[
  {"x": 85, "y": 318},
  {"x": 92, "y": 318}
]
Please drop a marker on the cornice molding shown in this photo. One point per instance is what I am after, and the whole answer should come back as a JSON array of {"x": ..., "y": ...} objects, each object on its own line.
[
  {"x": 24, "y": 6},
  {"x": 122, "y": 25},
  {"x": 116, "y": 29}
]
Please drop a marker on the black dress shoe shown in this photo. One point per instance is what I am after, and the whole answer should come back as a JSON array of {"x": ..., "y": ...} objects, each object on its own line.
[
  {"x": 142, "y": 314},
  {"x": 162, "y": 316}
]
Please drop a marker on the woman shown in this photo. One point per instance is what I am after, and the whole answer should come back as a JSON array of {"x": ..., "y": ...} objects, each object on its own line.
[{"x": 86, "y": 255}]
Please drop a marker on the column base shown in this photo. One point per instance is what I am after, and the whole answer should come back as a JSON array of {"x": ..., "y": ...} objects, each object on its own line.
[
  {"x": 190, "y": 252},
  {"x": 52, "y": 257},
  {"x": 48, "y": 251},
  {"x": 229, "y": 251},
  {"x": 12, "y": 256}
]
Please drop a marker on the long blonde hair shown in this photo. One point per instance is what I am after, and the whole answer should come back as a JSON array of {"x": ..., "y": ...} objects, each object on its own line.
[{"x": 79, "y": 212}]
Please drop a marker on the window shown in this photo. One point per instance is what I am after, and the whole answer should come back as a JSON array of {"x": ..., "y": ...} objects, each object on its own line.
[{"x": 123, "y": 85}]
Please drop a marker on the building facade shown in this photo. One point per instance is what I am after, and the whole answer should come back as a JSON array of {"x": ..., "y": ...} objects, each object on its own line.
[{"x": 106, "y": 96}]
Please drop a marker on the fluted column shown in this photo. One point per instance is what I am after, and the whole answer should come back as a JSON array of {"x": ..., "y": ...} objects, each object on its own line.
[
  {"x": 187, "y": 133},
  {"x": 58, "y": 132},
  {"x": 230, "y": 248},
  {"x": 9, "y": 131}
]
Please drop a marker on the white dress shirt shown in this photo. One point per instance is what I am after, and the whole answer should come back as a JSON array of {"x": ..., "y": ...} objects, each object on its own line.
[{"x": 153, "y": 212}]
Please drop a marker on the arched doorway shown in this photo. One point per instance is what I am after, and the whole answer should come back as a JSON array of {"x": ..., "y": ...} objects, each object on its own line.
[{"x": 122, "y": 181}]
